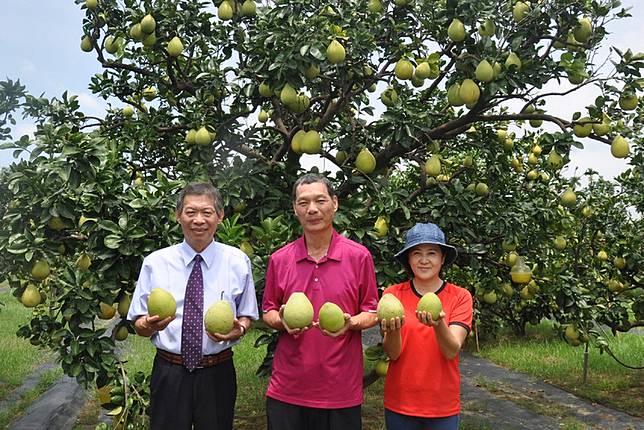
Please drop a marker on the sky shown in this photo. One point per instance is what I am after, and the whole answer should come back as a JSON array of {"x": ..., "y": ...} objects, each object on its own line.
[{"x": 39, "y": 45}]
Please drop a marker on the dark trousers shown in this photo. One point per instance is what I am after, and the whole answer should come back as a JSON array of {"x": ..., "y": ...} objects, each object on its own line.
[
  {"x": 204, "y": 397},
  {"x": 396, "y": 421},
  {"x": 285, "y": 416}
]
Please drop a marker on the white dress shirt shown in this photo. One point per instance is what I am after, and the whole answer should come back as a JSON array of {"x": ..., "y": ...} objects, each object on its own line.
[{"x": 227, "y": 274}]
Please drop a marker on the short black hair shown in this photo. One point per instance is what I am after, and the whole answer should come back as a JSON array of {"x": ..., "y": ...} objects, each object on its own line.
[
  {"x": 201, "y": 189},
  {"x": 312, "y": 178}
]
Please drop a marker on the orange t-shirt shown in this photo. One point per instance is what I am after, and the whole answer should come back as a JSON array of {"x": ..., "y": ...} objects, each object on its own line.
[{"x": 422, "y": 382}]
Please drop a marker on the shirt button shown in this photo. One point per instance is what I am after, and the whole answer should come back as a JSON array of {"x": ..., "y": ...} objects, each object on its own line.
[
  {"x": 316, "y": 266},
  {"x": 316, "y": 279}
]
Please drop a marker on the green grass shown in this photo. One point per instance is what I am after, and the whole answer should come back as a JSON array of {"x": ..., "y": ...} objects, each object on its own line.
[
  {"x": 16, "y": 410},
  {"x": 543, "y": 354},
  {"x": 18, "y": 357},
  {"x": 250, "y": 406},
  {"x": 139, "y": 353}
]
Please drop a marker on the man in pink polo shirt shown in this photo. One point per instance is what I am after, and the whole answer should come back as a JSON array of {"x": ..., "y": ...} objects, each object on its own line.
[{"x": 316, "y": 383}]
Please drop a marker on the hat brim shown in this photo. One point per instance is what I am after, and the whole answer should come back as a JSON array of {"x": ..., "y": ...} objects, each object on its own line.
[{"x": 449, "y": 251}]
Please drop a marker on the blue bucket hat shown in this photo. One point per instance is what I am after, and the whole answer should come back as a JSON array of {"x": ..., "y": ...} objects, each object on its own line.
[{"x": 423, "y": 233}]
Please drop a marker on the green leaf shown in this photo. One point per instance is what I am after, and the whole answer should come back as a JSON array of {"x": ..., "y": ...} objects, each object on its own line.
[
  {"x": 136, "y": 204},
  {"x": 112, "y": 241},
  {"x": 110, "y": 226}
]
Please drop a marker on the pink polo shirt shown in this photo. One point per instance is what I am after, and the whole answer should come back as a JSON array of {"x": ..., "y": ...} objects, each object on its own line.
[{"x": 314, "y": 370}]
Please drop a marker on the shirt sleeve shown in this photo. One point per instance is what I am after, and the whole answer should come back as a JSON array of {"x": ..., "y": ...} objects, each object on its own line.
[
  {"x": 273, "y": 296},
  {"x": 462, "y": 312},
  {"x": 139, "y": 303},
  {"x": 368, "y": 288},
  {"x": 247, "y": 301}
]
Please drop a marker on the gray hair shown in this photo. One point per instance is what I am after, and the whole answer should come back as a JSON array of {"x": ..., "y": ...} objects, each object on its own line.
[
  {"x": 201, "y": 189},
  {"x": 312, "y": 178}
]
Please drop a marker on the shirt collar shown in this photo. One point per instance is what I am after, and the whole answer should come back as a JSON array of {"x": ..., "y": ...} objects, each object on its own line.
[
  {"x": 333, "y": 253},
  {"x": 188, "y": 254}
]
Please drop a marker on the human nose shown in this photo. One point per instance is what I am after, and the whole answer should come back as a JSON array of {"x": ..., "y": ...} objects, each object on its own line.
[
  {"x": 312, "y": 207},
  {"x": 199, "y": 218}
]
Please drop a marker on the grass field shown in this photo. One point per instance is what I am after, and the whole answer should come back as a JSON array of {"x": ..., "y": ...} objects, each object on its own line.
[
  {"x": 544, "y": 355},
  {"x": 19, "y": 359}
]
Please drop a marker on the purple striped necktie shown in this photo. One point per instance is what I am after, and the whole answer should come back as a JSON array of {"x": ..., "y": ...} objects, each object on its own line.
[{"x": 192, "y": 326}]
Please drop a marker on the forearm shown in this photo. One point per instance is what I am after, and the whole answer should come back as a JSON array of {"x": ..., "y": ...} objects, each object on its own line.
[
  {"x": 363, "y": 321},
  {"x": 246, "y": 322},
  {"x": 392, "y": 344},
  {"x": 450, "y": 339},
  {"x": 272, "y": 319}
]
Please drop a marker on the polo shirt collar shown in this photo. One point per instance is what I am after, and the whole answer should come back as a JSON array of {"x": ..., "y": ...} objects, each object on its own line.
[
  {"x": 333, "y": 253},
  {"x": 188, "y": 254}
]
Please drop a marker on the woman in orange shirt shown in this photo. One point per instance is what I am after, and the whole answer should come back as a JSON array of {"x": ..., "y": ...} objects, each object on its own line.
[{"x": 422, "y": 389}]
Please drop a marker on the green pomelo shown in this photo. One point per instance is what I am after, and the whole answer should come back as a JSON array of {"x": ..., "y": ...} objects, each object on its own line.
[
  {"x": 571, "y": 332},
  {"x": 296, "y": 141},
  {"x": 490, "y": 297},
  {"x": 484, "y": 71},
  {"x": 288, "y": 96},
  {"x": 265, "y": 90},
  {"x": 219, "y": 317},
  {"x": 469, "y": 92},
  {"x": 620, "y": 147},
  {"x": 124, "y": 305},
  {"x": 298, "y": 312},
  {"x": 453, "y": 96},
  {"x": 203, "y": 136},
  {"x": 40, "y": 270},
  {"x": 335, "y": 52},
  {"x": 389, "y": 97},
  {"x": 431, "y": 304},
  {"x": 225, "y": 11},
  {"x": 107, "y": 311},
  {"x": 389, "y": 307},
  {"x": 433, "y": 166},
  {"x": 148, "y": 24},
  {"x": 381, "y": 368},
  {"x": 404, "y": 69},
  {"x": 311, "y": 143},
  {"x": 312, "y": 72},
  {"x": 121, "y": 333},
  {"x": 175, "y": 47},
  {"x": 31, "y": 296},
  {"x": 331, "y": 317},
  {"x": 365, "y": 161},
  {"x": 161, "y": 303},
  {"x": 423, "y": 71},
  {"x": 248, "y": 8},
  {"x": 456, "y": 31}
]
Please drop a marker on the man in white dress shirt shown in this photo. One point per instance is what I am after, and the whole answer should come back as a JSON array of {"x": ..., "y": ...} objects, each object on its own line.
[{"x": 201, "y": 391}]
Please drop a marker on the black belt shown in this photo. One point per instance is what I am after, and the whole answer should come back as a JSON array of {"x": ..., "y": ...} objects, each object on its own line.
[{"x": 206, "y": 360}]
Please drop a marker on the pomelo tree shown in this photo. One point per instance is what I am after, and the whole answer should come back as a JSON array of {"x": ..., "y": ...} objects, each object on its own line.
[{"x": 419, "y": 110}]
